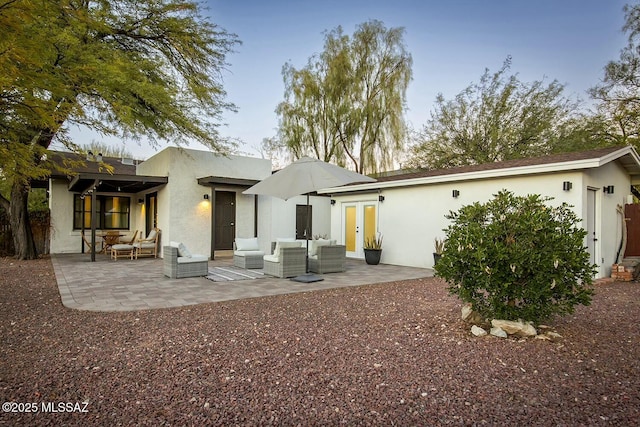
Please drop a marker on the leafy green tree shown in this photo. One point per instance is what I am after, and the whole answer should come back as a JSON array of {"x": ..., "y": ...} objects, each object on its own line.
[
  {"x": 619, "y": 92},
  {"x": 499, "y": 118},
  {"x": 346, "y": 105},
  {"x": 121, "y": 67},
  {"x": 516, "y": 257}
]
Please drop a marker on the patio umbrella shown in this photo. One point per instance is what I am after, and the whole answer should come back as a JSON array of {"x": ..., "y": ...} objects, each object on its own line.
[{"x": 305, "y": 176}]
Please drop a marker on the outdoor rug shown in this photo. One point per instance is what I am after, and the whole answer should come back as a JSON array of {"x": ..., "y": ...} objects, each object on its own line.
[{"x": 230, "y": 273}]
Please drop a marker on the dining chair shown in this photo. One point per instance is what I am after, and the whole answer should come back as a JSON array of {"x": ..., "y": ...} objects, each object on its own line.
[{"x": 88, "y": 243}]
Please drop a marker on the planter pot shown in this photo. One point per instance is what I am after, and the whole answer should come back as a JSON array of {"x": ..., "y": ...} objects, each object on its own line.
[
  {"x": 436, "y": 258},
  {"x": 372, "y": 256}
]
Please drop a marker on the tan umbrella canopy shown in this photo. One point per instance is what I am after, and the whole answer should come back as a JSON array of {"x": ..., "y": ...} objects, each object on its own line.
[{"x": 305, "y": 176}]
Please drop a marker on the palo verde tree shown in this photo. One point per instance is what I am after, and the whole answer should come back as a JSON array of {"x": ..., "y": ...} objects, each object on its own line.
[
  {"x": 124, "y": 68},
  {"x": 499, "y": 118},
  {"x": 347, "y": 104},
  {"x": 516, "y": 257}
]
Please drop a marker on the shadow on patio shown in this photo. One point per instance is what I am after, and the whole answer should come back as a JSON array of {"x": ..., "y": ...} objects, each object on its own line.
[{"x": 126, "y": 285}]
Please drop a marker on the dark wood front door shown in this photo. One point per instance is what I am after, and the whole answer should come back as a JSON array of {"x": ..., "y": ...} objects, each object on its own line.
[{"x": 225, "y": 222}]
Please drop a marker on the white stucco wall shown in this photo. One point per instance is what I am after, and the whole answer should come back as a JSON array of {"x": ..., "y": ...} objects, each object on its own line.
[
  {"x": 608, "y": 221},
  {"x": 410, "y": 218},
  {"x": 277, "y": 218},
  {"x": 183, "y": 214}
]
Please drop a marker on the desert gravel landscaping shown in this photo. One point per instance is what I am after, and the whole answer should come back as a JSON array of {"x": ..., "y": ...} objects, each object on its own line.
[{"x": 387, "y": 354}]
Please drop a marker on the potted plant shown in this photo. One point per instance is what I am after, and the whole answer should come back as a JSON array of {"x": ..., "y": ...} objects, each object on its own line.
[
  {"x": 373, "y": 249},
  {"x": 438, "y": 249}
]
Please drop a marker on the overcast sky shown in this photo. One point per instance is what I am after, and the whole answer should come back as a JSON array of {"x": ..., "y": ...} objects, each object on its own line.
[{"x": 451, "y": 42}]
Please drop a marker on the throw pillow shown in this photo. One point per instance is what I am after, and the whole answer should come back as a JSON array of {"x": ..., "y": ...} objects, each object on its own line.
[{"x": 183, "y": 251}]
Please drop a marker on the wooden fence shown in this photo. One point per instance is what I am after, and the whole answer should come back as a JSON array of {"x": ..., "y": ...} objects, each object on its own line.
[{"x": 40, "y": 226}]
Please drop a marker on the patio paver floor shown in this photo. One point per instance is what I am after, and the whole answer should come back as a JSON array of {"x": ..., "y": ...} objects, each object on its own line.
[{"x": 125, "y": 285}]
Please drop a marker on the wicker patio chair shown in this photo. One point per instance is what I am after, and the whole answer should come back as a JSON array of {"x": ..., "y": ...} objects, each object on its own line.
[
  {"x": 328, "y": 259},
  {"x": 178, "y": 267},
  {"x": 247, "y": 253},
  {"x": 288, "y": 260}
]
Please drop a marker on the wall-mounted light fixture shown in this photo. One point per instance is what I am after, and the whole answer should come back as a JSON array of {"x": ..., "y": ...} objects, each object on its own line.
[
  {"x": 333, "y": 202},
  {"x": 99, "y": 157},
  {"x": 567, "y": 185},
  {"x": 381, "y": 198},
  {"x": 205, "y": 197},
  {"x": 455, "y": 193},
  {"x": 607, "y": 189}
]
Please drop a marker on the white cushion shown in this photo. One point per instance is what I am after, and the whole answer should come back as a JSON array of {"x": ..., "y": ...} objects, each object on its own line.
[
  {"x": 315, "y": 244},
  {"x": 174, "y": 244},
  {"x": 333, "y": 242},
  {"x": 313, "y": 256},
  {"x": 285, "y": 239},
  {"x": 148, "y": 245},
  {"x": 271, "y": 258},
  {"x": 248, "y": 253},
  {"x": 248, "y": 244},
  {"x": 152, "y": 234},
  {"x": 192, "y": 258},
  {"x": 280, "y": 245},
  {"x": 122, "y": 247},
  {"x": 183, "y": 251}
]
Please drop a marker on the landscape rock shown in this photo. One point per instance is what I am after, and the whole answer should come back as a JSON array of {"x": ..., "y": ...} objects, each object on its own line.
[
  {"x": 478, "y": 331},
  {"x": 498, "y": 332},
  {"x": 518, "y": 328},
  {"x": 470, "y": 316}
]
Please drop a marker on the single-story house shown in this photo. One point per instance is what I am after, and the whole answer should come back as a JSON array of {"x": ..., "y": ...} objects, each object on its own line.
[
  {"x": 192, "y": 196},
  {"x": 409, "y": 209}
]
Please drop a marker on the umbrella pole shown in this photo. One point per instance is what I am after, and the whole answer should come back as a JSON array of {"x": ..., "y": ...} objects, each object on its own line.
[{"x": 307, "y": 277}]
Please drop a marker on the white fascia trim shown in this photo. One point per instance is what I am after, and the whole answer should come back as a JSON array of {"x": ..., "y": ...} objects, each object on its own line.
[{"x": 466, "y": 176}]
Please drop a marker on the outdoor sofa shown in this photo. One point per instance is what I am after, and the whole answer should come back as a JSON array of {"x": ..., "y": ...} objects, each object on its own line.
[
  {"x": 247, "y": 253},
  {"x": 180, "y": 263}
]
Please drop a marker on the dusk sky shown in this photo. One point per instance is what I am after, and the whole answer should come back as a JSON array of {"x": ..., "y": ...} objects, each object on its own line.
[{"x": 451, "y": 42}]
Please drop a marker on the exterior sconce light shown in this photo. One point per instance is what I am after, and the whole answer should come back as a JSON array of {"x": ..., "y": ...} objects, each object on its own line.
[
  {"x": 333, "y": 202},
  {"x": 140, "y": 201},
  {"x": 567, "y": 185},
  {"x": 381, "y": 198},
  {"x": 608, "y": 189},
  {"x": 99, "y": 157},
  {"x": 205, "y": 197},
  {"x": 455, "y": 193},
  {"x": 90, "y": 156}
]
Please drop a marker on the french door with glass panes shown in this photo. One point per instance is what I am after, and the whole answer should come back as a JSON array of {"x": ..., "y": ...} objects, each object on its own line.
[{"x": 359, "y": 220}]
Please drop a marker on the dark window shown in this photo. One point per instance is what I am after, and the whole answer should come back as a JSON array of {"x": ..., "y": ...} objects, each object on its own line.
[
  {"x": 113, "y": 213},
  {"x": 301, "y": 221}
]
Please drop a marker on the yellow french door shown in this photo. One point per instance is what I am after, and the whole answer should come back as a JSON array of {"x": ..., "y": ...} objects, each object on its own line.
[{"x": 359, "y": 219}]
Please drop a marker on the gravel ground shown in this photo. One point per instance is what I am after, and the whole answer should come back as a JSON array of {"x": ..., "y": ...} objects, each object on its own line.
[{"x": 391, "y": 354}]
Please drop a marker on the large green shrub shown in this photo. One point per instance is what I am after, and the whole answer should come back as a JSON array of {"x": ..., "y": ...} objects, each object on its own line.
[{"x": 517, "y": 258}]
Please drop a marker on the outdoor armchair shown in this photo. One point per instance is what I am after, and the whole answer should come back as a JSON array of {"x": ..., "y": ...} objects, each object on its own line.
[
  {"x": 287, "y": 260},
  {"x": 124, "y": 249},
  {"x": 180, "y": 263},
  {"x": 147, "y": 246},
  {"x": 247, "y": 253},
  {"x": 328, "y": 259}
]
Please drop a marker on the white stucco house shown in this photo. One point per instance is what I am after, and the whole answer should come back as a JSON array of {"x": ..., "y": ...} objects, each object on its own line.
[
  {"x": 192, "y": 196},
  {"x": 196, "y": 197},
  {"x": 409, "y": 209}
]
